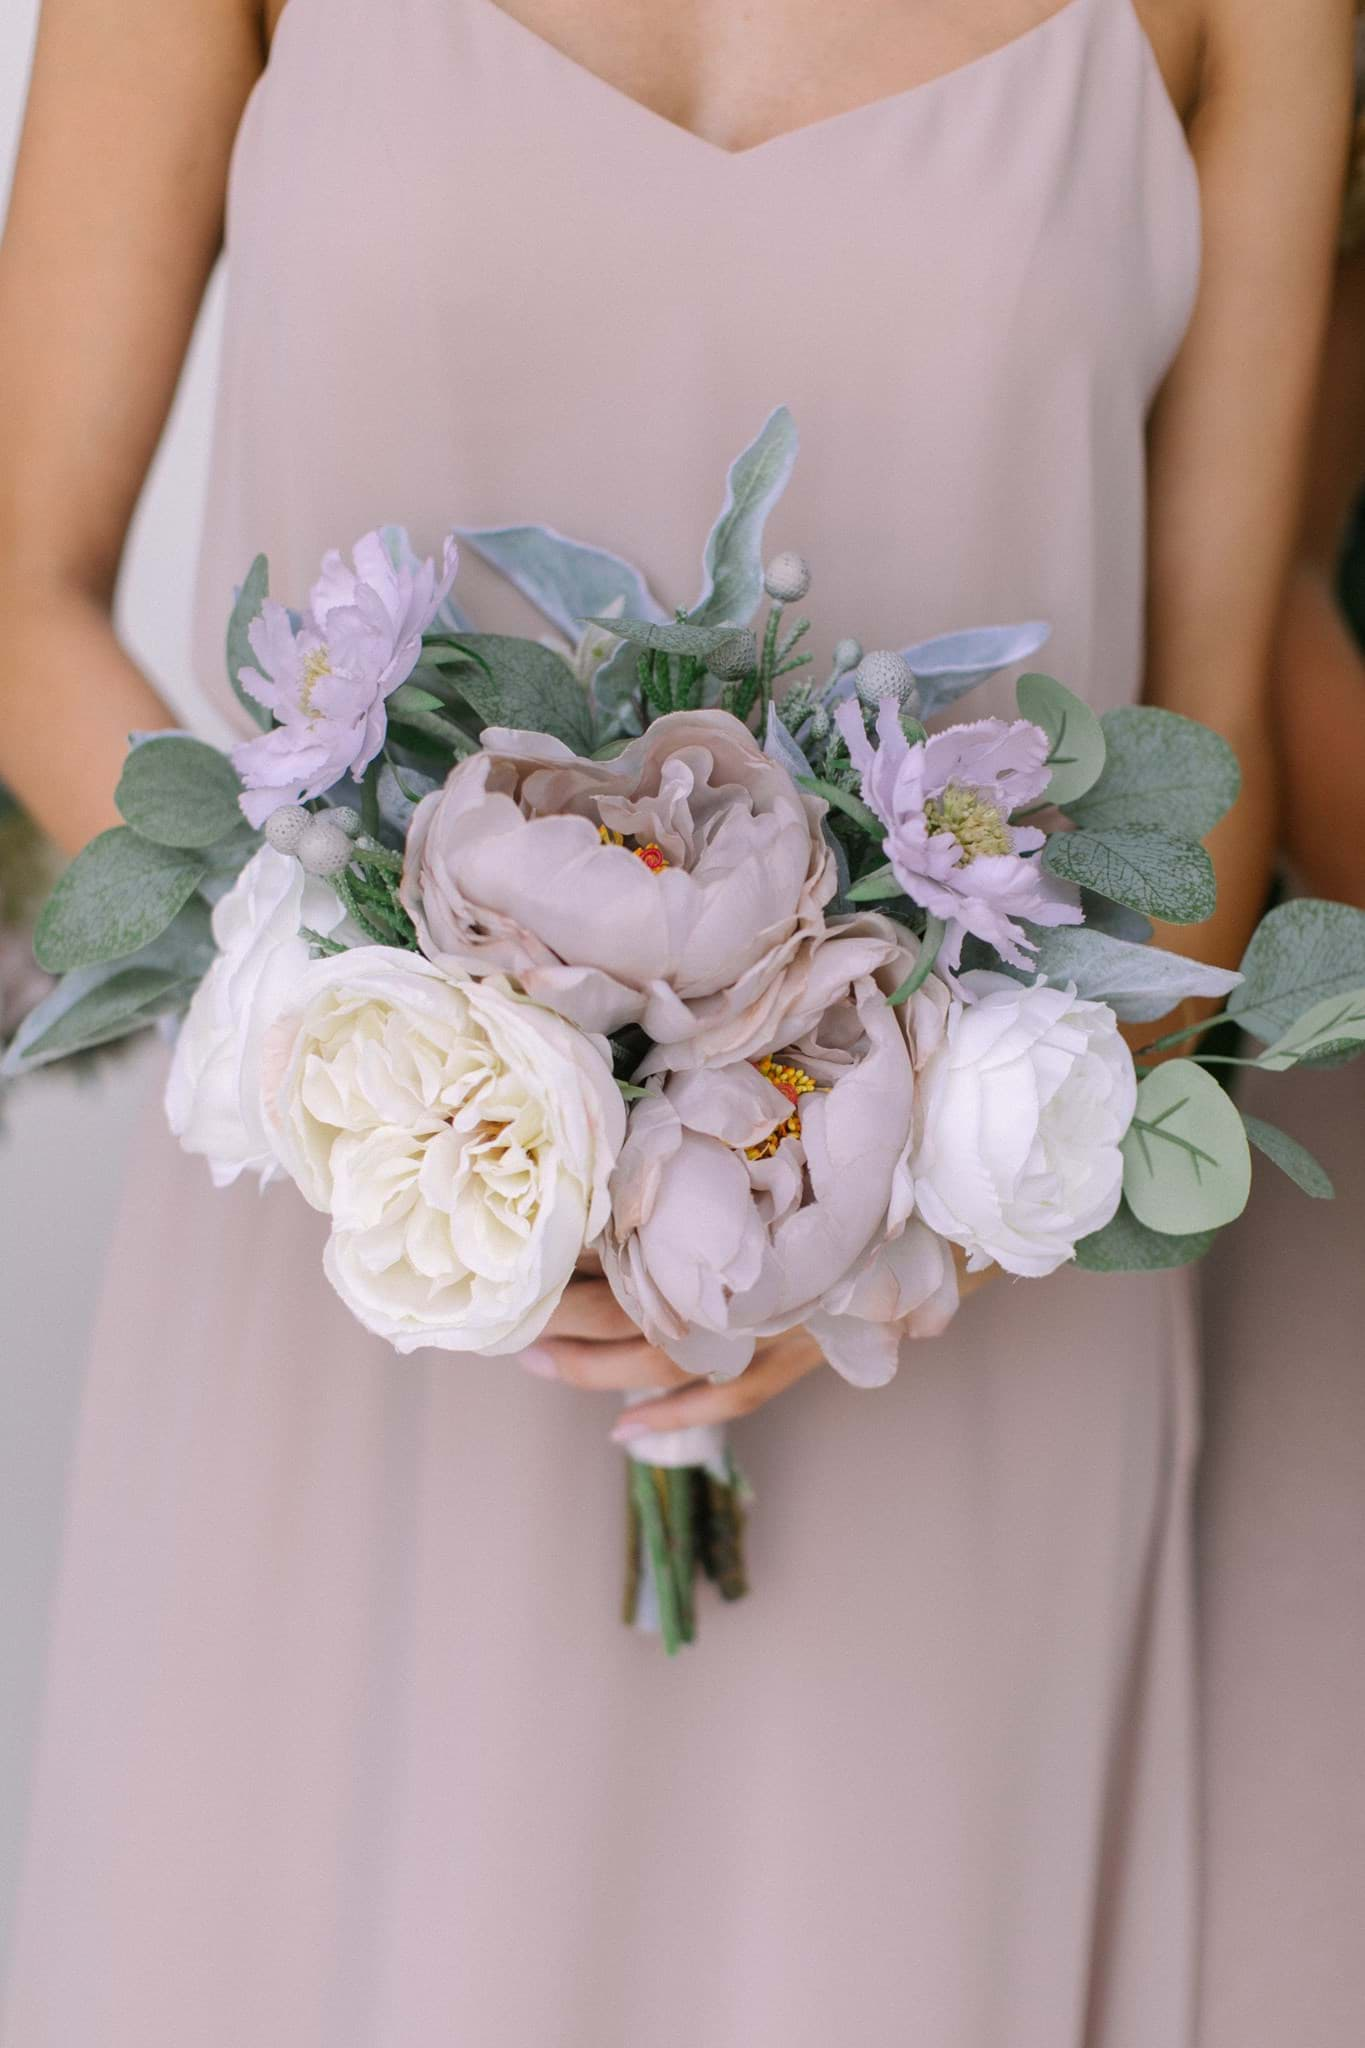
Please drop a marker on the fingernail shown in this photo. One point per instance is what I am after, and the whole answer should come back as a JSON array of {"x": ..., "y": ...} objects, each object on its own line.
[
  {"x": 540, "y": 1362},
  {"x": 630, "y": 1427}
]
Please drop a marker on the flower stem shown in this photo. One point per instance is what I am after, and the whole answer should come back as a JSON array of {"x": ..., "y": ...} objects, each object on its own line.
[
  {"x": 934, "y": 929},
  {"x": 647, "y": 1506}
]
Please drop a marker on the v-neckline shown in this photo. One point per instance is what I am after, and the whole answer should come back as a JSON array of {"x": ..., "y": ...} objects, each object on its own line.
[{"x": 650, "y": 117}]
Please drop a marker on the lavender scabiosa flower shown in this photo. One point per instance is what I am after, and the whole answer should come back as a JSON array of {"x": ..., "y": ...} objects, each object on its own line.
[
  {"x": 946, "y": 803},
  {"x": 326, "y": 680}
]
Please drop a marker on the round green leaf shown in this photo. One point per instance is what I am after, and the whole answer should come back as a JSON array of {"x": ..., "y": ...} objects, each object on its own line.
[
  {"x": 1300, "y": 953},
  {"x": 1160, "y": 769},
  {"x": 1332, "y": 1030},
  {"x": 1187, "y": 1164},
  {"x": 1127, "y": 1246},
  {"x": 120, "y": 893},
  {"x": 1148, "y": 870},
  {"x": 176, "y": 791},
  {"x": 1076, "y": 752}
]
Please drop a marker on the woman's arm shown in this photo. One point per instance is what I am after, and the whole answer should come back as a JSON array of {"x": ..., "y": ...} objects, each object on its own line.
[
  {"x": 1229, "y": 434},
  {"x": 1319, "y": 670},
  {"x": 114, "y": 225}
]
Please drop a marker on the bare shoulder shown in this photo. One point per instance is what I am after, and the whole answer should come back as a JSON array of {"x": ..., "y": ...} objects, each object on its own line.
[{"x": 1285, "y": 55}]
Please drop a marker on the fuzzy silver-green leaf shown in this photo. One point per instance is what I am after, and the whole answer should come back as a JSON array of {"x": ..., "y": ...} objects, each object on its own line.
[
  {"x": 1147, "y": 869},
  {"x": 118, "y": 895}
]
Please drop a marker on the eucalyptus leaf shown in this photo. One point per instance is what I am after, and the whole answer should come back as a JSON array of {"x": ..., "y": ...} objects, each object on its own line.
[
  {"x": 1076, "y": 751},
  {"x": 178, "y": 792},
  {"x": 1301, "y": 952},
  {"x": 95, "y": 1005},
  {"x": 411, "y": 697},
  {"x": 118, "y": 894},
  {"x": 1333, "y": 1027},
  {"x": 948, "y": 666},
  {"x": 1139, "y": 983},
  {"x": 614, "y": 693},
  {"x": 1115, "y": 920},
  {"x": 672, "y": 636},
  {"x": 1127, "y": 1246},
  {"x": 1290, "y": 1156},
  {"x": 1147, "y": 869},
  {"x": 732, "y": 565},
  {"x": 1160, "y": 769},
  {"x": 1186, "y": 1162},
  {"x": 245, "y": 611},
  {"x": 564, "y": 579},
  {"x": 531, "y": 688}
]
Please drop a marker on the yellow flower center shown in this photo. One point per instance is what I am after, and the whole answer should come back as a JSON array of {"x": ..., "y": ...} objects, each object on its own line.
[
  {"x": 793, "y": 1082},
  {"x": 650, "y": 855},
  {"x": 974, "y": 821},
  {"x": 315, "y": 667}
]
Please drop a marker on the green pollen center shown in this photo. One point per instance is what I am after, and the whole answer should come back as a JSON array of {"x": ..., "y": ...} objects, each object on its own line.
[
  {"x": 974, "y": 821},
  {"x": 315, "y": 668}
]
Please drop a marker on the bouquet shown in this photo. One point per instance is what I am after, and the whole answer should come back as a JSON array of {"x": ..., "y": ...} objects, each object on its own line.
[{"x": 646, "y": 943}]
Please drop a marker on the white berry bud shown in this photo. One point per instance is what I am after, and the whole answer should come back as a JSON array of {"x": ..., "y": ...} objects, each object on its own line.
[
  {"x": 345, "y": 819},
  {"x": 882, "y": 674},
  {"x": 847, "y": 655},
  {"x": 285, "y": 828},
  {"x": 787, "y": 577},
  {"x": 735, "y": 656},
  {"x": 820, "y": 723},
  {"x": 323, "y": 850}
]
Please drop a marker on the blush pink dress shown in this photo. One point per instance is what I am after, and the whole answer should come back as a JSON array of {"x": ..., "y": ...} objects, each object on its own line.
[{"x": 345, "y": 1745}]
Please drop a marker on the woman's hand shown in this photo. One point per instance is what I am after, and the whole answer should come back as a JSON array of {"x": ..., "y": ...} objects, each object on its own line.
[{"x": 590, "y": 1342}]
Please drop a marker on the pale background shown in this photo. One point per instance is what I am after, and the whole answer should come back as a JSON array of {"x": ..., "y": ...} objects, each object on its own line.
[{"x": 62, "y": 1143}]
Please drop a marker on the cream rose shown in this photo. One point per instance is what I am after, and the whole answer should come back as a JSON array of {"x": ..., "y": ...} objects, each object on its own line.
[
  {"x": 459, "y": 1136},
  {"x": 1021, "y": 1106},
  {"x": 213, "y": 1094}
]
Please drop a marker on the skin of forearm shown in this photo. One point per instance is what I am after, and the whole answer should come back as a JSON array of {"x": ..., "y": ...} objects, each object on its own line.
[
  {"x": 1321, "y": 726},
  {"x": 71, "y": 697}
]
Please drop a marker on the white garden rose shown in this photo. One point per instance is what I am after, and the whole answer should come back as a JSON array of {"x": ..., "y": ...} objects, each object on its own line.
[
  {"x": 1019, "y": 1113},
  {"x": 459, "y": 1136},
  {"x": 213, "y": 1094}
]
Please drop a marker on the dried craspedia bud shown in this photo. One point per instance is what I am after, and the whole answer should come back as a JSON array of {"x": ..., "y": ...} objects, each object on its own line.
[
  {"x": 735, "y": 657},
  {"x": 847, "y": 655},
  {"x": 787, "y": 577},
  {"x": 323, "y": 850},
  {"x": 882, "y": 674},
  {"x": 345, "y": 819},
  {"x": 285, "y": 828}
]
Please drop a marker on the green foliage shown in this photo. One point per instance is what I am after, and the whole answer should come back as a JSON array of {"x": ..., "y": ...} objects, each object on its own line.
[
  {"x": 1139, "y": 982},
  {"x": 948, "y": 666},
  {"x": 1160, "y": 769},
  {"x": 566, "y": 580},
  {"x": 1076, "y": 754},
  {"x": 671, "y": 636},
  {"x": 520, "y": 683},
  {"x": 176, "y": 791},
  {"x": 1127, "y": 1246},
  {"x": 1141, "y": 866},
  {"x": 1187, "y": 1166},
  {"x": 733, "y": 562},
  {"x": 95, "y": 1005},
  {"x": 245, "y": 611},
  {"x": 1301, "y": 953},
  {"x": 843, "y": 800},
  {"x": 118, "y": 895},
  {"x": 1290, "y": 1156}
]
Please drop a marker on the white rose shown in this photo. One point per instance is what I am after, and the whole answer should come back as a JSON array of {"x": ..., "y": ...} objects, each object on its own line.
[
  {"x": 1019, "y": 1116},
  {"x": 213, "y": 1095},
  {"x": 459, "y": 1136}
]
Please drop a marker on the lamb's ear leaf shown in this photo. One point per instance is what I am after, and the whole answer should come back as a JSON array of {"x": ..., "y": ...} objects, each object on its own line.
[
  {"x": 1127, "y": 1246},
  {"x": 1076, "y": 750},
  {"x": 1160, "y": 769},
  {"x": 245, "y": 611},
  {"x": 95, "y": 1005},
  {"x": 1139, "y": 982},
  {"x": 1139, "y": 865},
  {"x": 565, "y": 580},
  {"x": 178, "y": 792},
  {"x": 732, "y": 566},
  {"x": 948, "y": 666},
  {"x": 1301, "y": 953},
  {"x": 1186, "y": 1161},
  {"x": 1290, "y": 1156},
  {"x": 118, "y": 895}
]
